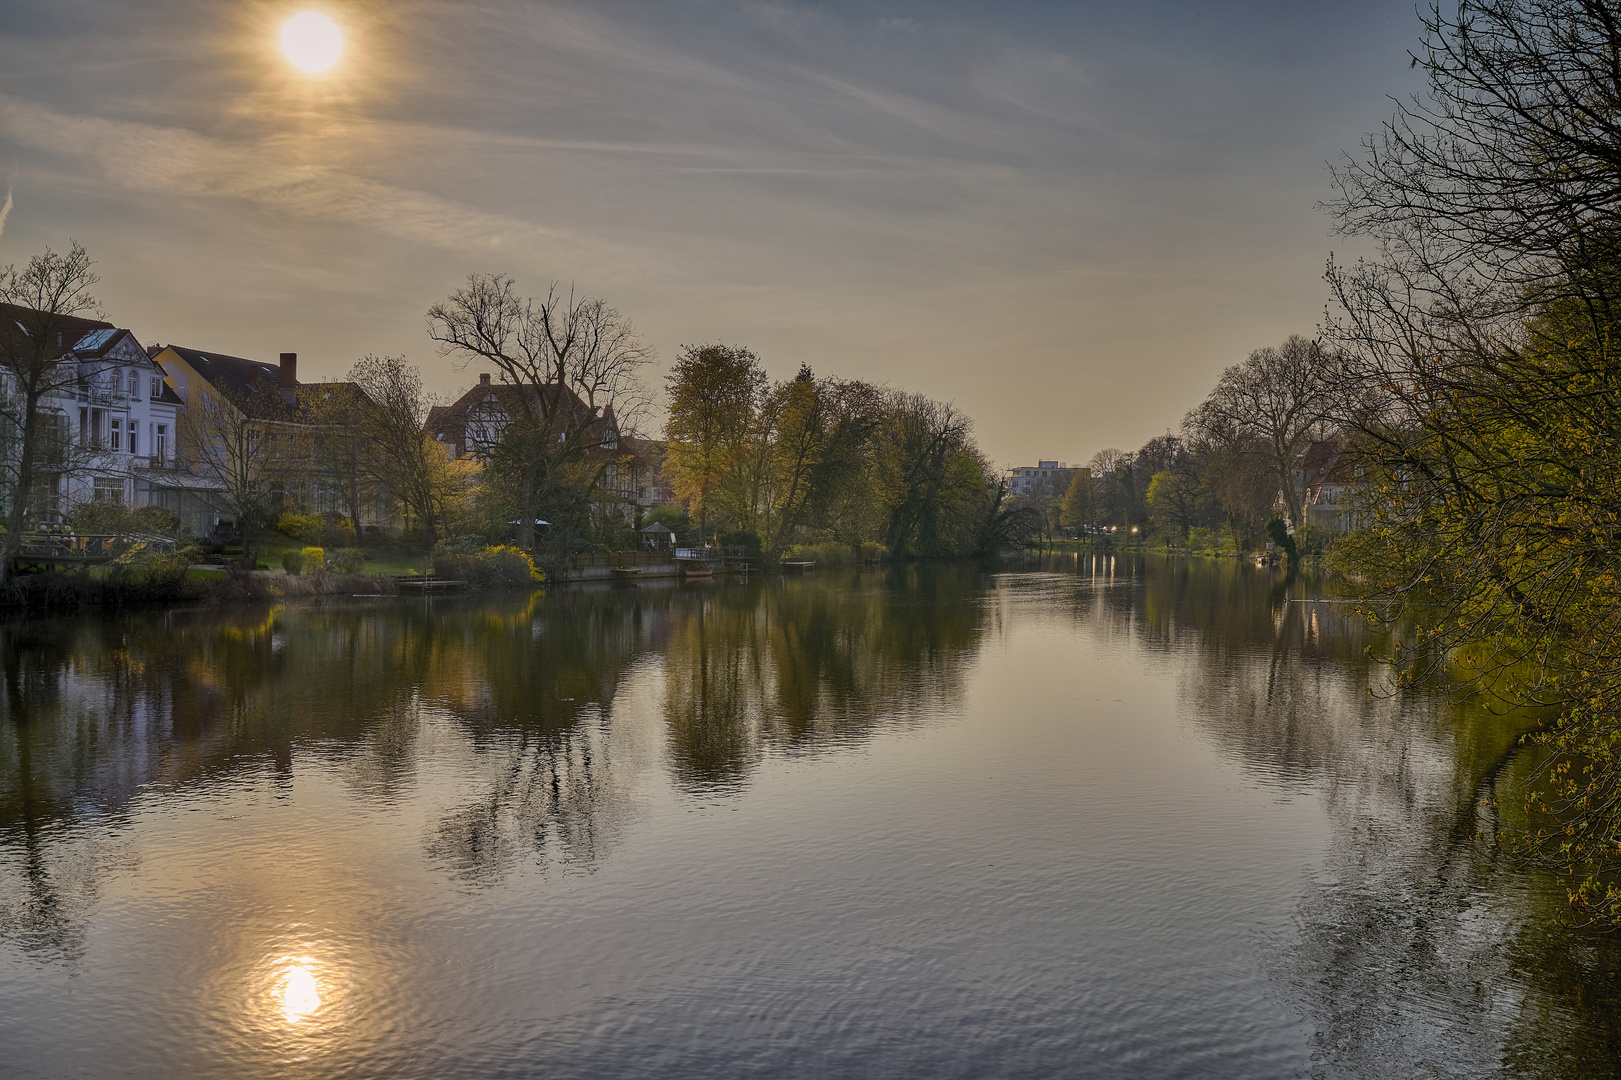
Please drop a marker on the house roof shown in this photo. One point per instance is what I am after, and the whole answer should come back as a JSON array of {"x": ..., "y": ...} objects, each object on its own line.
[
  {"x": 658, "y": 527},
  {"x": 1325, "y": 462},
  {"x": 18, "y": 324},
  {"x": 231, "y": 374},
  {"x": 250, "y": 385},
  {"x": 448, "y": 423}
]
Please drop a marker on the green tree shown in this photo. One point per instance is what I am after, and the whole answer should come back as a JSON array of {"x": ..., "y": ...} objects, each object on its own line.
[
  {"x": 1080, "y": 502},
  {"x": 1171, "y": 502},
  {"x": 1478, "y": 370},
  {"x": 715, "y": 393}
]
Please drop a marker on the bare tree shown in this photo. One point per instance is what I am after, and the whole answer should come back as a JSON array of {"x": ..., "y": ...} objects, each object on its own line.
[
  {"x": 395, "y": 453},
  {"x": 1275, "y": 404},
  {"x": 223, "y": 438},
  {"x": 571, "y": 368},
  {"x": 40, "y": 302}
]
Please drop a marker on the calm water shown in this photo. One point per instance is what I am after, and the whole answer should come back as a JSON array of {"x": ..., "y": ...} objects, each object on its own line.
[{"x": 1102, "y": 818}]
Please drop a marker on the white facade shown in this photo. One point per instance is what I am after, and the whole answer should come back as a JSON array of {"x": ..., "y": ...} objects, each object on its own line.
[
  {"x": 1042, "y": 478},
  {"x": 119, "y": 422}
]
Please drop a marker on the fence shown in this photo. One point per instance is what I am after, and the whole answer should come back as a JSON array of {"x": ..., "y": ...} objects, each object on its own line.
[{"x": 621, "y": 559}]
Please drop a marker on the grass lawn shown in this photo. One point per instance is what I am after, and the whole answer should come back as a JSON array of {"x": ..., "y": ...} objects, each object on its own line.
[{"x": 385, "y": 561}]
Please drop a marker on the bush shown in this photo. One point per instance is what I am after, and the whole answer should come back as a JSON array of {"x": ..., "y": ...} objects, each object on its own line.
[
  {"x": 745, "y": 539},
  {"x": 314, "y": 559},
  {"x": 346, "y": 560},
  {"x": 822, "y": 554},
  {"x": 292, "y": 562},
  {"x": 1205, "y": 539},
  {"x": 873, "y": 552},
  {"x": 98, "y": 518},
  {"x": 301, "y": 526},
  {"x": 336, "y": 530},
  {"x": 503, "y": 567},
  {"x": 153, "y": 519}
]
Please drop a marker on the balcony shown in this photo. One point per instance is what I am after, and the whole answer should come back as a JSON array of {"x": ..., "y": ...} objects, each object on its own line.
[{"x": 100, "y": 395}]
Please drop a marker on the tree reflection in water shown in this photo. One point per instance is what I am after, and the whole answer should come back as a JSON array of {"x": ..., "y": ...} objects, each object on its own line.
[
  {"x": 97, "y": 711},
  {"x": 1422, "y": 947},
  {"x": 528, "y": 726}
]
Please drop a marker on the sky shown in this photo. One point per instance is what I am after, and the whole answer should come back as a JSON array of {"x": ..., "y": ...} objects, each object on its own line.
[{"x": 1066, "y": 218}]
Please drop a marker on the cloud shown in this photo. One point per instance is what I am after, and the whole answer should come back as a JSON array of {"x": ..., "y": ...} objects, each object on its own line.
[
  {"x": 5, "y": 210},
  {"x": 172, "y": 161}
]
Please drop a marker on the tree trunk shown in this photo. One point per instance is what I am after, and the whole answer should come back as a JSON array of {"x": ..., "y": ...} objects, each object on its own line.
[{"x": 24, "y": 489}]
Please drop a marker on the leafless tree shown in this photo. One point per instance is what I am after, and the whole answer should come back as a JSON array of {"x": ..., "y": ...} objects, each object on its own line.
[
  {"x": 571, "y": 365},
  {"x": 224, "y": 439},
  {"x": 395, "y": 454},
  {"x": 1276, "y": 404},
  {"x": 42, "y": 300}
]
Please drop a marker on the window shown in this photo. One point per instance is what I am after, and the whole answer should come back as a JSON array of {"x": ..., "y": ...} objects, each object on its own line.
[
  {"x": 160, "y": 448},
  {"x": 157, "y": 386},
  {"x": 134, "y": 383},
  {"x": 116, "y": 433},
  {"x": 108, "y": 490},
  {"x": 133, "y": 428}
]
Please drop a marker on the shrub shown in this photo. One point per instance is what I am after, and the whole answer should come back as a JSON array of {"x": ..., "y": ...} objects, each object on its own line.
[
  {"x": 292, "y": 562},
  {"x": 314, "y": 559},
  {"x": 336, "y": 530},
  {"x": 746, "y": 539},
  {"x": 822, "y": 554},
  {"x": 873, "y": 552},
  {"x": 98, "y": 518},
  {"x": 1206, "y": 539},
  {"x": 153, "y": 519},
  {"x": 346, "y": 560},
  {"x": 503, "y": 567},
  {"x": 301, "y": 526}
]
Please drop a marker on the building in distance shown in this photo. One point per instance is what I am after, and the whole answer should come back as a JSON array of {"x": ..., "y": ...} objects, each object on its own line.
[{"x": 1043, "y": 478}]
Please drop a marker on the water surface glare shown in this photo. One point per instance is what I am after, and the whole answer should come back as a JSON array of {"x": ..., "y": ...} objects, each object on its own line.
[{"x": 1102, "y": 817}]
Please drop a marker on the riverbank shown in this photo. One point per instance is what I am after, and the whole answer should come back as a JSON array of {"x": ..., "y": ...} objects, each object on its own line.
[{"x": 56, "y": 593}]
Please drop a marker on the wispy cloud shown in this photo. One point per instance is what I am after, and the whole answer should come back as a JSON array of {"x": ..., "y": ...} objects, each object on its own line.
[
  {"x": 5, "y": 209},
  {"x": 177, "y": 162}
]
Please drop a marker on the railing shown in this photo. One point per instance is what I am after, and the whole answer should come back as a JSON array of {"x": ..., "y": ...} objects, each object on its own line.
[
  {"x": 100, "y": 395},
  {"x": 90, "y": 547},
  {"x": 732, "y": 551},
  {"x": 618, "y": 559}
]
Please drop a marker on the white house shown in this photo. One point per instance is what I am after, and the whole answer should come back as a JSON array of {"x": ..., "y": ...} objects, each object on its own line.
[
  {"x": 1042, "y": 478},
  {"x": 111, "y": 418},
  {"x": 123, "y": 418}
]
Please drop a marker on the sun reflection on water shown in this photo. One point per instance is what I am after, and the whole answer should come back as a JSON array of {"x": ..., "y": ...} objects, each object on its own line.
[{"x": 300, "y": 991}]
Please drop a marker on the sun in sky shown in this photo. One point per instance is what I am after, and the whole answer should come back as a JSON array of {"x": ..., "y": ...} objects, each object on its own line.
[{"x": 311, "y": 41}]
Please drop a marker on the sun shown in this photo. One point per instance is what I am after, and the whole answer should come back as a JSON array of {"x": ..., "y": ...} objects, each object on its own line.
[{"x": 311, "y": 41}]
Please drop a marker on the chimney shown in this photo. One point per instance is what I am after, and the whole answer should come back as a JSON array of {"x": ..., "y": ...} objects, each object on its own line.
[
  {"x": 484, "y": 378},
  {"x": 289, "y": 371}
]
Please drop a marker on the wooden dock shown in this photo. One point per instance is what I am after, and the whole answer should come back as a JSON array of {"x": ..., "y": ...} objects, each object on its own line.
[{"x": 426, "y": 584}]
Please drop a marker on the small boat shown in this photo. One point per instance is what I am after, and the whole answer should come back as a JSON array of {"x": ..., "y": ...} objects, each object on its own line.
[
  {"x": 698, "y": 571},
  {"x": 626, "y": 573},
  {"x": 797, "y": 567}
]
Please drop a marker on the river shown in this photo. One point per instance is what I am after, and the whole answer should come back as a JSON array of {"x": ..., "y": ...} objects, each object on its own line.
[{"x": 1083, "y": 816}]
